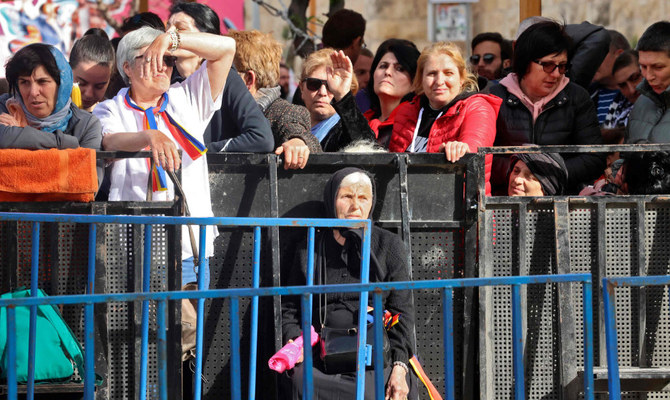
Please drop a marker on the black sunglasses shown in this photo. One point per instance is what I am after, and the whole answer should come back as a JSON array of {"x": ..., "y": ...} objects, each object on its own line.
[
  {"x": 169, "y": 61},
  {"x": 488, "y": 58},
  {"x": 549, "y": 67},
  {"x": 314, "y": 84}
]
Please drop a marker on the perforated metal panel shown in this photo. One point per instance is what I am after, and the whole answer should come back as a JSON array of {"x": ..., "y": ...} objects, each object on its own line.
[
  {"x": 437, "y": 254},
  {"x": 63, "y": 269},
  {"x": 532, "y": 254},
  {"x": 614, "y": 223},
  {"x": 230, "y": 267}
]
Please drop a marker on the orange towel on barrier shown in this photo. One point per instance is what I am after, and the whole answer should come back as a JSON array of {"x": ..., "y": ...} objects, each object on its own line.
[{"x": 48, "y": 175}]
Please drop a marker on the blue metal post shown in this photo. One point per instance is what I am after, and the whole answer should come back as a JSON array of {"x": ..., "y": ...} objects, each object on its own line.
[
  {"x": 256, "y": 282},
  {"x": 235, "y": 380},
  {"x": 32, "y": 335},
  {"x": 306, "y": 321},
  {"x": 613, "y": 384},
  {"x": 587, "y": 290},
  {"x": 378, "y": 348},
  {"x": 89, "y": 329},
  {"x": 362, "y": 313},
  {"x": 161, "y": 339},
  {"x": 146, "y": 287},
  {"x": 199, "y": 331},
  {"x": 11, "y": 354},
  {"x": 517, "y": 344},
  {"x": 448, "y": 332}
]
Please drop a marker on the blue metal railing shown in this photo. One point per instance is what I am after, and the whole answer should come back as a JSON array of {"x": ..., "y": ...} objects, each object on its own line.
[
  {"x": 306, "y": 293},
  {"x": 609, "y": 305},
  {"x": 147, "y": 222}
]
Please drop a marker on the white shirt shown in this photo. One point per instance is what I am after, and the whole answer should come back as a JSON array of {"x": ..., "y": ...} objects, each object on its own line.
[{"x": 191, "y": 105}]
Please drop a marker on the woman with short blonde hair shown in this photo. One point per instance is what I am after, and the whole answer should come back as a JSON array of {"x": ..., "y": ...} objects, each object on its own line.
[
  {"x": 447, "y": 115},
  {"x": 328, "y": 86}
]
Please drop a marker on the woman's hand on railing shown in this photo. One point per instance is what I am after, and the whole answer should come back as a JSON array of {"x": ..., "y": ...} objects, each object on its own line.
[
  {"x": 454, "y": 150},
  {"x": 296, "y": 153},
  {"x": 164, "y": 150}
]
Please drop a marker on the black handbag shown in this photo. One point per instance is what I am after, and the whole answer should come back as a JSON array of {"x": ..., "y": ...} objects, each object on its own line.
[{"x": 339, "y": 346}]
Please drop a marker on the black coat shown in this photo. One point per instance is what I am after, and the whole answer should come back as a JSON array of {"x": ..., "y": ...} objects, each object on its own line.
[
  {"x": 568, "y": 119},
  {"x": 387, "y": 264},
  {"x": 351, "y": 127}
]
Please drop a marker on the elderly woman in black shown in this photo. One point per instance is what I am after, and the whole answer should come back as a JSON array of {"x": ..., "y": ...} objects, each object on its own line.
[{"x": 350, "y": 194}]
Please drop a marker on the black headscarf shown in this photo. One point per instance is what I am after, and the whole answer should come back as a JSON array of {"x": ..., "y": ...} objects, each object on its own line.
[
  {"x": 351, "y": 252},
  {"x": 548, "y": 168},
  {"x": 333, "y": 185}
]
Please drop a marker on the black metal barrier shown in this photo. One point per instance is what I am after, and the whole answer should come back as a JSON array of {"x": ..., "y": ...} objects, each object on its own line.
[
  {"x": 434, "y": 206},
  {"x": 429, "y": 202},
  {"x": 601, "y": 235}
]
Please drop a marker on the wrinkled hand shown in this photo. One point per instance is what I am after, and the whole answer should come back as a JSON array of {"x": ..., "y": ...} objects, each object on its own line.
[
  {"x": 164, "y": 150},
  {"x": 296, "y": 153},
  {"x": 152, "y": 62},
  {"x": 302, "y": 353},
  {"x": 396, "y": 387},
  {"x": 340, "y": 75},
  {"x": 8, "y": 120},
  {"x": 454, "y": 150}
]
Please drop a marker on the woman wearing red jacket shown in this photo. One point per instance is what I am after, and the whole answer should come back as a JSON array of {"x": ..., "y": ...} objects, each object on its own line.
[{"x": 447, "y": 114}]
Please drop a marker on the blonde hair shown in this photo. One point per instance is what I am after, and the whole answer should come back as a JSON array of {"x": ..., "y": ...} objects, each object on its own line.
[
  {"x": 319, "y": 59},
  {"x": 259, "y": 52},
  {"x": 452, "y": 51}
]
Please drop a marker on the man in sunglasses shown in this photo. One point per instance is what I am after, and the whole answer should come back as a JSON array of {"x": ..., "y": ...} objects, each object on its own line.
[{"x": 491, "y": 54}]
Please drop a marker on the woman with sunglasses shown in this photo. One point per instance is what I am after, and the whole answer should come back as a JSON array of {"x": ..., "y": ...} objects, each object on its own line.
[
  {"x": 152, "y": 115},
  {"x": 447, "y": 115},
  {"x": 541, "y": 106},
  {"x": 327, "y": 87}
]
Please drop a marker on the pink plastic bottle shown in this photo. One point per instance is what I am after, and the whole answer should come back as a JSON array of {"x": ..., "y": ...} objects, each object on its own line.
[{"x": 287, "y": 356}]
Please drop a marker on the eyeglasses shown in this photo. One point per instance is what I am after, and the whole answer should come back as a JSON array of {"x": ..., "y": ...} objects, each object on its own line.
[
  {"x": 488, "y": 58},
  {"x": 169, "y": 61},
  {"x": 549, "y": 67},
  {"x": 314, "y": 84}
]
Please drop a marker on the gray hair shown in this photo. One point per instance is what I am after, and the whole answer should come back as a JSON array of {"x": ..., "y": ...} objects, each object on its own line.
[
  {"x": 527, "y": 23},
  {"x": 130, "y": 45},
  {"x": 364, "y": 146}
]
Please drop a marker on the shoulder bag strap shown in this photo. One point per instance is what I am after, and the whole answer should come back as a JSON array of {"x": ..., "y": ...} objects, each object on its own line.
[
  {"x": 66, "y": 336},
  {"x": 178, "y": 189}
]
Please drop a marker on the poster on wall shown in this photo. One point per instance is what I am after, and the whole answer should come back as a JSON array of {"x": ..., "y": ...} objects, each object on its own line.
[{"x": 451, "y": 22}]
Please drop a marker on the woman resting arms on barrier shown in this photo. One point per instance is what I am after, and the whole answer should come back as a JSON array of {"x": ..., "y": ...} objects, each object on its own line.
[
  {"x": 541, "y": 105},
  {"x": 537, "y": 174},
  {"x": 152, "y": 115},
  {"x": 447, "y": 115},
  {"x": 38, "y": 112},
  {"x": 350, "y": 194}
]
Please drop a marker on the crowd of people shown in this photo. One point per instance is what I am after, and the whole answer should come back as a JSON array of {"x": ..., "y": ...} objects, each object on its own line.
[{"x": 182, "y": 88}]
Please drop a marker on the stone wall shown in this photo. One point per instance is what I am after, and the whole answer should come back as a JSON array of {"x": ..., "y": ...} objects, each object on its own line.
[{"x": 408, "y": 18}]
